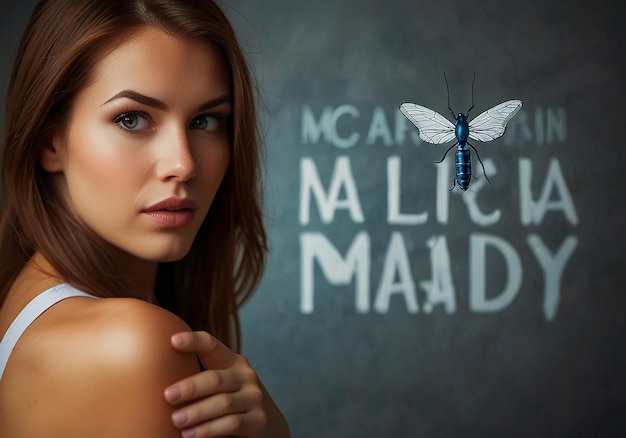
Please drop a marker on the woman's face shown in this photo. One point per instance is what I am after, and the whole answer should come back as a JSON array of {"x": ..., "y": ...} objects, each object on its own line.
[{"x": 145, "y": 146}]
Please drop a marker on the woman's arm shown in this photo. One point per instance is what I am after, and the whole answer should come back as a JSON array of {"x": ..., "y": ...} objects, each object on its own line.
[
  {"x": 228, "y": 398},
  {"x": 118, "y": 366}
]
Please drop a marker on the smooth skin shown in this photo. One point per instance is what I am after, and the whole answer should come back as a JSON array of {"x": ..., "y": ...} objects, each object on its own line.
[
  {"x": 148, "y": 127},
  {"x": 86, "y": 367}
]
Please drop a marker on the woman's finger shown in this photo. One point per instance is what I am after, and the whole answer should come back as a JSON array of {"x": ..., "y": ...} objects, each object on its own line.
[
  {"x": 203, "y": 384},
  {"x": 249, "y": 424},
  {"x": 216, "y": 406},
  {"x": 212, "y": 353}
]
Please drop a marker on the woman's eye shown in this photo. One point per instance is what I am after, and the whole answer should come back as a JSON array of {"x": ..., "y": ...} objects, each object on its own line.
[
  {"x": 207, "y": 123},
  {"x": 131, "y": 121}
]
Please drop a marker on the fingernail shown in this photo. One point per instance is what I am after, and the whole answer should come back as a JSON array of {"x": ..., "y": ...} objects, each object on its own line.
[
  {"x": 173, "y": 394},
  {"x": 178, "y": 340},
  {"x": 179, "y": 418},
  {"x": 189, "y": 433}
]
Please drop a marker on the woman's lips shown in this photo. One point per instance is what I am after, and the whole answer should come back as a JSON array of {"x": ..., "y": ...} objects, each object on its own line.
[{"x": 172, "y": 212}]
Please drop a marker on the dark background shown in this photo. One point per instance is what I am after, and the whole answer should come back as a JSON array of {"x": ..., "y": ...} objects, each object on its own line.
[{"x": 338, "y": 372}]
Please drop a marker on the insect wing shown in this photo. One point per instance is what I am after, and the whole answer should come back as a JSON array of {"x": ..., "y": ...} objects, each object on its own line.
[
  {"x": 492, "y": 123},
  {"x": 432, "y": 126}
]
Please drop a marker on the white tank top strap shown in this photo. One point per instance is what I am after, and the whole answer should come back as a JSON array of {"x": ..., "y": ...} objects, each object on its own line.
[{"x": 30, "y": 313}]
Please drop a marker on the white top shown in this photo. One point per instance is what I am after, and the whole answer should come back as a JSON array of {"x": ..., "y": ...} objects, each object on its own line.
[{"x": 30, "y": 313}]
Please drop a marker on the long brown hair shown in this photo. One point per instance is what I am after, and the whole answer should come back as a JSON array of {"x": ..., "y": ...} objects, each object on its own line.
[{"x": 61, "y": 44}]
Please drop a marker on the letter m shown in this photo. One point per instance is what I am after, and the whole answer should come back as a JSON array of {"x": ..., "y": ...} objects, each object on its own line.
[
  {"x": 312, "y": 130},
  {"x": 337, "y": 270}
]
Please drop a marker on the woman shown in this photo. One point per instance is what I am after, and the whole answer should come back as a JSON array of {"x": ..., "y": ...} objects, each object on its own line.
[{"x": 130, "y": 178}]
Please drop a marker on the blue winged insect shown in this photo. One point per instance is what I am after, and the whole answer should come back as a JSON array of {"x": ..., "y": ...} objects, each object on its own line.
[{"x": 435, "y": 128}]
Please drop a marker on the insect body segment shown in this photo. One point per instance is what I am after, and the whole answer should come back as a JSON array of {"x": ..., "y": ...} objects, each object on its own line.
[
  {"x": 461, "y": 130},
  {"x": 463, "y": 165},
  {"x": 435, "y": 128}
]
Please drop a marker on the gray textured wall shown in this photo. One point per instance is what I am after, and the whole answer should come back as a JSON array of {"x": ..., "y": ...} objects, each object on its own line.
[{"x": 374, "y": 320}]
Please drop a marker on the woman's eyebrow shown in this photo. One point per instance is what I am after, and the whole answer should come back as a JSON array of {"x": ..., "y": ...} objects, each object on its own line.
[
  {"x": 214, "y": 102},
  {"x": 139, "y": 98},
  {"x": 159, "y": 104}
]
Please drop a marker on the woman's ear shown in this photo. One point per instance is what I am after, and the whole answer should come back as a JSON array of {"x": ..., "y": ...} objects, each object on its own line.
[{"x": 50, "y": 150}]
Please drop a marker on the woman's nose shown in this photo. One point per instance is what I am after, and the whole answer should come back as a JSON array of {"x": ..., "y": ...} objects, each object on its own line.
[{"x": 176, "y": 160}]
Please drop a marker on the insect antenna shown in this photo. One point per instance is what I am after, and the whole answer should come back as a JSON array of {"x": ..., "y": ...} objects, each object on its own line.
[
  {"x": 471, "y": 107},
  {"x": 448, "y": 90}
]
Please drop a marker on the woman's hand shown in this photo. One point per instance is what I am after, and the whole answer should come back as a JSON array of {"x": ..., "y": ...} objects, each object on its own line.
[{"x": 227, "y": 399}]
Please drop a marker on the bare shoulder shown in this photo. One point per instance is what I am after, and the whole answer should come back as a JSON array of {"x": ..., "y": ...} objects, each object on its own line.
[
  {"x": 133, "y": 327},
  {"x": 127, "y": 350},
  {"x": 107, "y": 367},
  {"x": 127, "y": 333}
]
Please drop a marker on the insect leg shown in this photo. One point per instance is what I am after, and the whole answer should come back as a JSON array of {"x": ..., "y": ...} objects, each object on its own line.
[
  {"x": 481, "y": 163},
  {"x": 448, "y": 89},
  {"x": 453, "y": 185},
  {"x": 444, "y": 155}
]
